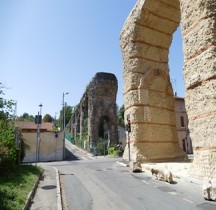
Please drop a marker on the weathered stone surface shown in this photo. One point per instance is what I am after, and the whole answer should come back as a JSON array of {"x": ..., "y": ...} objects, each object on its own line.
[
  {"x": 209, "y": 189},
  {"x": 148, "y": 95},
  {"x": 145, "y": 40},
  {"x": 199, "y": 38},
  {"x": 162, "y": 175},
  {"x": 97, "y": 111},
  {"x": 135, "y": 167}
]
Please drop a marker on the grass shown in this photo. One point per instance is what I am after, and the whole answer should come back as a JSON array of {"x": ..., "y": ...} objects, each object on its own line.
[{"x": 16, "y": 185}]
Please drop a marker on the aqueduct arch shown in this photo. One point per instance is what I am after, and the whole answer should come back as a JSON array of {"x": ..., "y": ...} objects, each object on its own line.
[
  {"x": 96, "y": 112},
  {"x": 148, "y": 96}
]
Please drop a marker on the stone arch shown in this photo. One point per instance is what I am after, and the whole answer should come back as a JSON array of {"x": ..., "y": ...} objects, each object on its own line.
[
  {"x": 104, "y": 127},
  {"x": 97, "y": 103},
  {"x": 145, "y": 40}
]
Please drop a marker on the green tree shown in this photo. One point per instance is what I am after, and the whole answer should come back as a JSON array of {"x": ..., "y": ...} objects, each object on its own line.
[
  {"x": 7, "y": 133},
  {"x": 120, "y": 115},
  {"x": 26, "y": 117},
  {"x": 47, "y": 118},
  {"x": 68, "y": 113}
]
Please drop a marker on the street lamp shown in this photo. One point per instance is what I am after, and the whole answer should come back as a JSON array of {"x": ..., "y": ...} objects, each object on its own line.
[
  {"x": 63, "y": 109},
  {"x": 38, "y": 121},
  {"x": 40, "y": 105}
]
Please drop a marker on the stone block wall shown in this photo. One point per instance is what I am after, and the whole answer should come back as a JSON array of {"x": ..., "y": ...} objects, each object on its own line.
[
  {"x": 148, "y": 96},
  {"x": 98, "y": 107},
  {"x": 145, "y": 41},
  {"x": 199, "y": 43}
]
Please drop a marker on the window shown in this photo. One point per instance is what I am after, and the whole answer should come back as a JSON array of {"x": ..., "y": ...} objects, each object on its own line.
[
  {"x": 181, "y": 105},
  {"x": 182, "y": 121}
]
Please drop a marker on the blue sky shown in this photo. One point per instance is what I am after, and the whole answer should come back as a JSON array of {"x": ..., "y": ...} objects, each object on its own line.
[{"x": 48, "y": 47}]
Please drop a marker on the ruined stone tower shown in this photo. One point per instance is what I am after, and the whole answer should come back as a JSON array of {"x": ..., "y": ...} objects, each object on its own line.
[
  {"x": 148, "y": 96},
  {"x": 97, "y": 111}
]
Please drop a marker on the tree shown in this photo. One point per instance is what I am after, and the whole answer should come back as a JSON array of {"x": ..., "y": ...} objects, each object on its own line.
[
  {"x": 120, "y": 115},
  {"x": 7, "y": 133},
  {"x": 47, "y": 118},
  {"x": 26, "y": 117},
  {"x": 68, "y": 113}
]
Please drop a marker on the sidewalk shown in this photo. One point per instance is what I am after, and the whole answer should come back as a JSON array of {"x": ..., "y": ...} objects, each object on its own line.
[
  {"x": 179, "y": 170},
  {"x": 48, "y": 195}
]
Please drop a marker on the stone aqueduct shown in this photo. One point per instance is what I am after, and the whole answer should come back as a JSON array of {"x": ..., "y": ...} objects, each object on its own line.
[
  {"x": 148, "y": 97},
  {"x": 96, "y": 112}
]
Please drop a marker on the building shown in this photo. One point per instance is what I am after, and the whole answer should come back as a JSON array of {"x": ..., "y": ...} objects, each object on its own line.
[
  {"x": 182, "y": 125},
  {"x": 50, "y": 146}
]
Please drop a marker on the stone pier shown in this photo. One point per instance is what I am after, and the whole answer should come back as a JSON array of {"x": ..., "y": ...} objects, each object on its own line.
[
  {"x": 198, "y": 20},
  {"x": 148, "y": 96}
]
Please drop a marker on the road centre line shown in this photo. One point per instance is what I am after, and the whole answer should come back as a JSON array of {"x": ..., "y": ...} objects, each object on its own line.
[
  {"x": 144, "y": 181},
  {"x": 172, "y": 193},
  {"x": 188, "y": 200}
]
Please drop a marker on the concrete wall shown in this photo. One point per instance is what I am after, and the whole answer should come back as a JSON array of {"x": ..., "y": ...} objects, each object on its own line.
[{"x": 51, "y": 148}]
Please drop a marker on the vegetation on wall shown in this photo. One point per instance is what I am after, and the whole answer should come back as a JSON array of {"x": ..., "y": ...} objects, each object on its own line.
[{"x": 120, "y": 115}]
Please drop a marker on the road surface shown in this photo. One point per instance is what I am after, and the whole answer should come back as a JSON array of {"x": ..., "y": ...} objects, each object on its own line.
[{"x": 100, "y": 183}]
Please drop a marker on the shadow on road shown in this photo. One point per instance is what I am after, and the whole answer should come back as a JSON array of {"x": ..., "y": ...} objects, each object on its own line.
[{"x": 70, "y": 156}]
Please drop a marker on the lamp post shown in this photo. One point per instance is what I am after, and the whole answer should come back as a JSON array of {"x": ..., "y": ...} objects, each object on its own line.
[
  {"x": 38, "y": 120},
  {"x": 63, "y": 109}
]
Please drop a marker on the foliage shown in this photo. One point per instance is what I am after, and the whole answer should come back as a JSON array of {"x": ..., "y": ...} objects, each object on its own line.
[
  {"x": 115, "y": 151},
  {"x": 68, "y": 113},
  {"x": 120, "y": 115},
  {"x": 85, "y": 130},
  {"x": 102, "y": 147},
  {"x": 15, "y": 186},
  {"x": 8, "y": 153},
  {"x": 26, "y": 118},
  {"x": 21, "y": 146},
  {"x": 47, "y": 118},
  {"x": 112, "y": 152},
  {"x": 7, "y": 146}
]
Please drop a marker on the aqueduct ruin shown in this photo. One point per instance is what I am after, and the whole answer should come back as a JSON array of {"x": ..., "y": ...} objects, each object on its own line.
[
  {"x": 95, "y": 116},
  {"x": 148, "y": 97}
]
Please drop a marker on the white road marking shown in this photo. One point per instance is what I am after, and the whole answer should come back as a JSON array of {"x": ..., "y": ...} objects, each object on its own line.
[
  {"x": 188, "y": 200},
  {"x": 172, "y": 193},
  {"x": 145, "y": 181},
  {"x": 83, "y": 158}
]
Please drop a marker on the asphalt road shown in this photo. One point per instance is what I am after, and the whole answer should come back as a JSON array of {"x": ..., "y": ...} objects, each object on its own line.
[{"x": 99, "y": 183}]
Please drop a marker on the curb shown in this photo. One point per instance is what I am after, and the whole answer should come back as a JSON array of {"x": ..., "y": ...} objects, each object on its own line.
[
  {"x": 59, "y": 200},
  {"x": 31, "y": 194}
]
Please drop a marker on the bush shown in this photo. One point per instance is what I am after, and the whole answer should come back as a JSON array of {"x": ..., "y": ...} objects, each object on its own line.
[
  {"x": 112, "y": 152},
  {"x": 102, "y": 147},
  {"x": 116, "y": 151},
  {"x": 7, "y": 147}
]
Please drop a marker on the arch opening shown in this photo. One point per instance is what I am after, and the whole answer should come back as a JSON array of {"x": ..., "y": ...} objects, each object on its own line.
[{"x": 145, "y": 41}]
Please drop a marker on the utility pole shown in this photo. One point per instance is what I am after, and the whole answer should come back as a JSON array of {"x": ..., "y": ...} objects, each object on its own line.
[
  {"x": 128, "y": 126},
  {"x": 63, "y": 113},
  {"x": 38, "y": 121}
]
